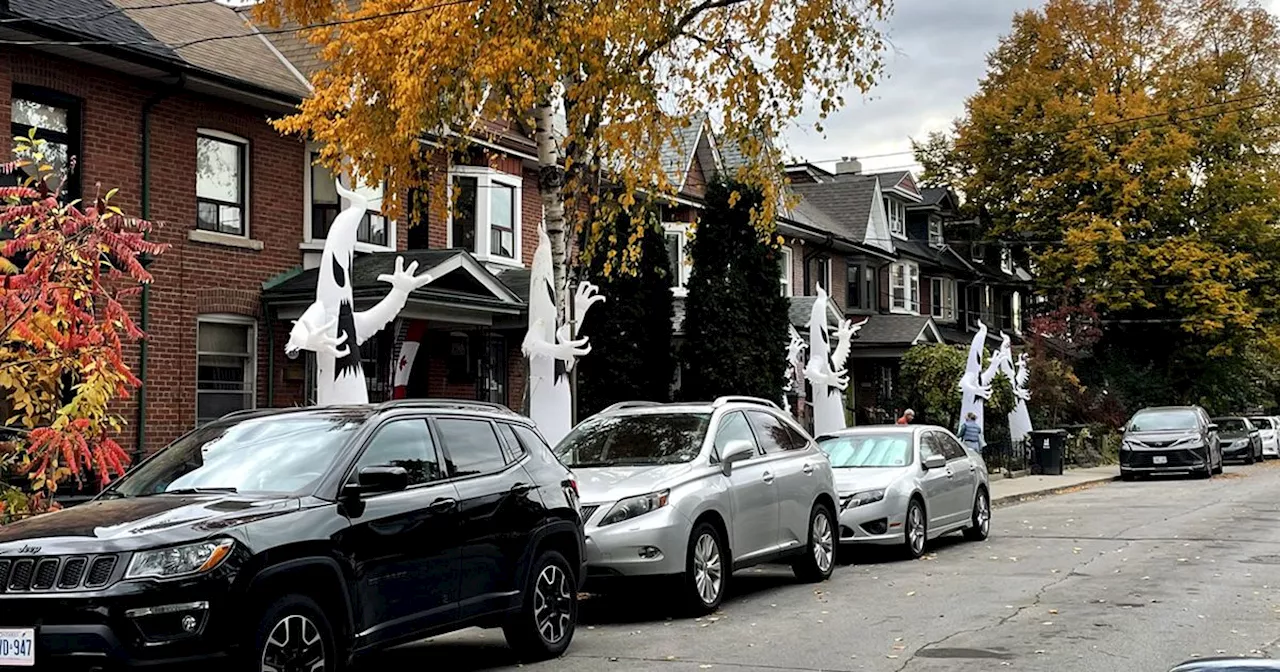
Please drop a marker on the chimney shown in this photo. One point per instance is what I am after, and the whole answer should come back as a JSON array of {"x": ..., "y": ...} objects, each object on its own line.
[{"x": 848, "y": 166}]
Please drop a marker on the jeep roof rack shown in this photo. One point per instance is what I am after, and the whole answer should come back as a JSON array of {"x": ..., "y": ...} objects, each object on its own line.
[
  {"x": 451, "y": 404},
  {"x": 731, "y": 399},
  {"x": 630, "y": 404}
]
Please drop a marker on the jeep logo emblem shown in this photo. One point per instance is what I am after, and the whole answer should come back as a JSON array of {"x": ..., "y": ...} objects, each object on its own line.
[{"x": 28, "y": 550}]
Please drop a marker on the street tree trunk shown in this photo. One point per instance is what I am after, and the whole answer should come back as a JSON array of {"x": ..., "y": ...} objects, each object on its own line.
[{"x": 551, "y": 185}]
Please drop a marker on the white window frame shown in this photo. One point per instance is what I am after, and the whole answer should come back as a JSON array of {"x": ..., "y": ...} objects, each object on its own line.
[
  {"x": 785, "y": 275},
  {"x": 239, "y": 321},
  {"x": 311, "y": 243},
  {"x": 935, "y": 232},
  {"x": 246, "y": 182},
  {"x": 910, "y": 287},
  {"x": 681, "y": 286},
  {"x": 946, "y": 288},
  {"x": 895, "y": 213},
  {"x": 485, "y": 179},
  {"x": 1006, "y": 260}
]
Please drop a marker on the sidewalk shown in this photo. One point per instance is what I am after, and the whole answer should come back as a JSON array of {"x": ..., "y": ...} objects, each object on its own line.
[{"x": 1006, "y": 491}]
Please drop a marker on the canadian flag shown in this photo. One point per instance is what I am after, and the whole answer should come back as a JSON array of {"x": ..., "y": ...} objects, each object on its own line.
[{"x": 408, "y": 352}]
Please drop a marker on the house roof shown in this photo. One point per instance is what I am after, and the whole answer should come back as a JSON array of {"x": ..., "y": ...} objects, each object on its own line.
[
  {"x": 901, "y": 182},
  {"x": 935, "y": 195},
  {"x": 940, "y": 257},
  {"x": 802, "y": 307},
  {"x": 897, "y": 330},
  {"x": 458, "y": 279},
  {"x": 99, "y": 19},
  {"x": 849, "y": 197},
  {"x": 291, "y": 43},
  {"x": 251, "y": 58}
]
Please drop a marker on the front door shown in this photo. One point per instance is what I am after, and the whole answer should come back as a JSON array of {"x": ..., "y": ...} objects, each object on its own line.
[
  {"x": 404, "y": 545},
  {"x": 753, "y": 493},
  {"x": 491, "y": 384},
  {"x": 499, "y": 509}
]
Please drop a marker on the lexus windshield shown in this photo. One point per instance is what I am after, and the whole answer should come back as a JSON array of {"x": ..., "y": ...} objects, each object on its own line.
[
  {"x": 868, "y": 450},
  {"x": 279, "y": 454},
  {"x": 631, "y": 440},
  {"x": 1163, "y": 421}
]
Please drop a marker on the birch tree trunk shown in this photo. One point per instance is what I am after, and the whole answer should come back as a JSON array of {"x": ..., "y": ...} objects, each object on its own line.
[{"x": 551, "y": 185}]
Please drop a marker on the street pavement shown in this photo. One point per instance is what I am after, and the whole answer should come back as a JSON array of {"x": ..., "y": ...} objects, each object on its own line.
[{"x": 1111, "y": 576}]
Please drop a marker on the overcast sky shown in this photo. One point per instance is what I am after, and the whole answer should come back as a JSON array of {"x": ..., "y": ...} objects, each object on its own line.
[{"x": 938, "y": 53}]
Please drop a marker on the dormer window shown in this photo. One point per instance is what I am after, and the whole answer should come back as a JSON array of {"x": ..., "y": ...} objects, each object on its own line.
[
  {"x": 1006, "y": 260},
  {"x": 935, "y": 232},
  {"x": 896, "y": 213}
]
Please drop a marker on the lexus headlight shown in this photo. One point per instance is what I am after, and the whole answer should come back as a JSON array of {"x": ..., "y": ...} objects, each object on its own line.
[
  {"x": 1126, "y": 445},
  {"x": 635, "y": 506},
  {"x": 167, "y": 563},
  {"x": 861, "y": 498}
]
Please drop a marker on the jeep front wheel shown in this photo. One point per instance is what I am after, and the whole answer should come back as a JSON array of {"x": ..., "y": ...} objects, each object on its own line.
[{"x": 293, "y": 633}]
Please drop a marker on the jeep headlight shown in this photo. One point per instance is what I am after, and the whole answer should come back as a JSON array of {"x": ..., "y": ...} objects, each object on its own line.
[
  {"x": 176, "y": 561},
  {"x": 635, "y": 506}
]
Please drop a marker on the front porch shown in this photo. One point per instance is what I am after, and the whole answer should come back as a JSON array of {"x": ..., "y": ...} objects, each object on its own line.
[{"x": 458, "y": 337}]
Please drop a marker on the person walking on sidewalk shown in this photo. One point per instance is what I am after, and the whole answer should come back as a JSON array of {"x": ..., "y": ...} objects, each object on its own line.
[
  {"x": 971, "y": 432},
  {"x": 907, "y": 416}
]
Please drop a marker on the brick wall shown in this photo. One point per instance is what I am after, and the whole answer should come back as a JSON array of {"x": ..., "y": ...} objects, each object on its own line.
[{"x": 192, "y": 278}]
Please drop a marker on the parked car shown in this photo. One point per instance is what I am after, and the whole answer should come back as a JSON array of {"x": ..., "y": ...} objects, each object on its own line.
[
  {"x": 302, "y": 539},
  {"x": 1241, "y": 440},
  {"x": 1269, "y": 432},
  {"x": 1170, "y": 439},
  {"x": 696, "y": 491},
  {"x": 902, "y": 486}
]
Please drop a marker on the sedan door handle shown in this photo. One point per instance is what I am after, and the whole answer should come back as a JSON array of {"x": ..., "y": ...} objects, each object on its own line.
[
  {"x": 950, "y": 474},
  {"x": 521, "y": 488},
  {"x": 808, "y": 468},
  {"x": 444, "y": 505},
  {"x": 768, "y": 477}
]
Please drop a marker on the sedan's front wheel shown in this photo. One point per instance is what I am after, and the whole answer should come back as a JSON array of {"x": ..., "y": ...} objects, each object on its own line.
[
  {"x": 708, "y": 568},
  {"x": 917, "y": 530}
]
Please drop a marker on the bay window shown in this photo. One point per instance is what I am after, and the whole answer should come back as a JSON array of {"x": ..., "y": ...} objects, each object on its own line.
[
  {"x": 485, "y": 217},
  {"x": 935, "y": 232},
  {"x": 942, "y": 299},
  {"x": 904, "y": 287}
]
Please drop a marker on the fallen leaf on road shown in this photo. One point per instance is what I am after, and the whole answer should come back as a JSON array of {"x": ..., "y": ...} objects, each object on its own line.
[
  {"x": 898, "y": 647},
  {"x": 1053, "y": 611},
  {"x": 704, "y": 667},
  {"x": 890, "y": 655},
  {"x": 911, "y": 594},
  {"x": 1039, "y": 650},
  {"x": 1047, "y": 623},
  {"x": 1182, "y": 559}
]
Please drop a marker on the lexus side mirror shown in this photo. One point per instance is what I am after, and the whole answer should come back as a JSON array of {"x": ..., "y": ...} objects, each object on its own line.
[
  {"x": 736, "y": 451},
  {"x": 933, "y": 462},
  {"x": 1213, "y": 427},
  {"x": 380, "y": 479}
]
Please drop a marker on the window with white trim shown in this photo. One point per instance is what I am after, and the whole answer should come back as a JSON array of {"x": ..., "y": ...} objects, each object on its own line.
[
  {"x": 222, "y": 183},
  {"x": 678, "y": 262},
  {"x": 896, "y": 213},
  {"x": 225, "y": 366},
  {"x": 935, "y": 232},
  {"x": 485, "y": 217},
  {"x": 1006, "y": 260},
  {"x": 904, "y": 287},
  {"x": 942, "y": 299},
  {"x": 784, "y": 270},
  {"x": 325, "y": 206}
]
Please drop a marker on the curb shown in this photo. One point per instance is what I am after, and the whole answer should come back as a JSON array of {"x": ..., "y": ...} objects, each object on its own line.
[{"x": 1026, "y": 496}]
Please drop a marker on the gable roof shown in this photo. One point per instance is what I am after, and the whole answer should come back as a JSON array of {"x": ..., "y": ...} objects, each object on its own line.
[
  {"x": 941, "y": 197},
  {"x": 897, "y": 330},
  {"x": 847, "y": 201}
]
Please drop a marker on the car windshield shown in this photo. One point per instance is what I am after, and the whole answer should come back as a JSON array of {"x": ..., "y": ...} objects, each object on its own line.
[
  {"x": 1159, "y": 421},
  {"x": 649, "y": 438},
  {"x": 1261, "y": 423},
  {"x": 1231, "y": 424},
  {"x": 277, "y": 454},
  {"x": 868, "y": 450}
]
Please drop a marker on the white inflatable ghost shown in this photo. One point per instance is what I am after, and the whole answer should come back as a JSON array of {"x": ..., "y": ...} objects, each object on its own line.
[
  {"x": 826, "y": 373},
  {"x": 794, "y": 381},
  {"x": 552, "y": 351},
  {"x": 1019, "y": 418},
  {"x": 330, "y": 327}
]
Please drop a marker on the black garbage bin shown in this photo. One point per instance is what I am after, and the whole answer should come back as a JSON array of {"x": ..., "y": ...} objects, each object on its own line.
[{"x": 1048, "y": 451}]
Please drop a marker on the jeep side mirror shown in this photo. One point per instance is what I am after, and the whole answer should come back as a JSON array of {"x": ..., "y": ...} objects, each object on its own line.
[
  {"x": 736, "y": 451},
  {"x": 377, "y": 480},
  {"x": 933, "y": 461}
]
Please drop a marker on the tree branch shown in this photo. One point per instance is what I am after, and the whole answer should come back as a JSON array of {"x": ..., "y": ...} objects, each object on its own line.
[{"x": 677, "y": 30}]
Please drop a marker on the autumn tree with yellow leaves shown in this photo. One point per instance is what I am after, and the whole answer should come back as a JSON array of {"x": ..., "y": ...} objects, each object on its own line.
[
  {"x": 622, "y": 74},
  {"x": 1126, "y": 149},
  {"x": 64, "y": 269}
]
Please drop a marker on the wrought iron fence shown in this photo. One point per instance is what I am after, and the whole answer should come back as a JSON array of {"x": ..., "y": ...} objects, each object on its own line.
[{"x": 1004, "y": 455}]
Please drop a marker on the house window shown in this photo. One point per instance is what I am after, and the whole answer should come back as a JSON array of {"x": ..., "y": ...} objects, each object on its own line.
[
  {"x": 485, "y": 218},
  {"x": 678, "y": 264},
  {"x": 904, "y": 283},
  {"x": 1006, "y": 260},
  {"x": 1006, "y": 310},
  {"x": 225, "y": 369},
  {"x": 853, "y": 277},
  {"x": 821, "y": 275},
  {"x": 897, "y": 215},
  {"x": 222, "y": 172},
  {"x": 325, "y": 206},
  {"x": 55, "y": 118},
  {"x": 978, "y": 252},
  {"x": 784, "y": 270},
  {"x": 935, "y": 232},
  {"x": 943, "y": 299}
]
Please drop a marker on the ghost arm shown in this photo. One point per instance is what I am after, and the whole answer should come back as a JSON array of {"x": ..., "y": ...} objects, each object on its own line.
[
  {"x": 565, "y": 348},
  {"x": 820, "y": 373},
  {"x": 312, "y": 332},
  {"x": 403, "y": 282}
]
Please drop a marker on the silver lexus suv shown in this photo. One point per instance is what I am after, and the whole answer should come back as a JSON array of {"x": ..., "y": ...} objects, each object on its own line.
[{"x": 694, "y": 491}]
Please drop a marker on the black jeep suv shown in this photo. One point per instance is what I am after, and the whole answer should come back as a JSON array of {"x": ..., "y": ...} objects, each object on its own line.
[{"x": 302, "y": 539}]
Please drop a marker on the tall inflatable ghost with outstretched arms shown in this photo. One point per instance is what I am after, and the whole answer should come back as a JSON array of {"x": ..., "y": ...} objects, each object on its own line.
[
  {"x": 330, "y": 327},
  {"x": 794, "y": 380},
  {"x": 551, "y": 349},
  {"x": 826, "y": 373},
  {"x": 1019, "y": 418}
]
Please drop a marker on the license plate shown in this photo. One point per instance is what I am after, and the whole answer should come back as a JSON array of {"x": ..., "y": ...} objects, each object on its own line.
[
  {"x": 1159, "y": 459},
  {"x": 18, "y": 647}
]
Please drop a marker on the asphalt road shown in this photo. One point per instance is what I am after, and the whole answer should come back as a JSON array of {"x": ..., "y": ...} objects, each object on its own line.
[{"x": 1121, "y": 576}]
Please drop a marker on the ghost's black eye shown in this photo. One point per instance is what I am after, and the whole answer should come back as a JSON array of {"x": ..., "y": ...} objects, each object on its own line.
[{"x": 339, "y": 274}]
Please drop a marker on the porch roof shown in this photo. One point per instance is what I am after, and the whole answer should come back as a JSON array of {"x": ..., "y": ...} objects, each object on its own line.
[
  {"x": 897, "y": 330},
  {"x": 459, "y": 281}
]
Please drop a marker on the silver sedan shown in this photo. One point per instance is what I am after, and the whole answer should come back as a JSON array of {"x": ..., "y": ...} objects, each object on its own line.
[{"x": 904, "y": 485}]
